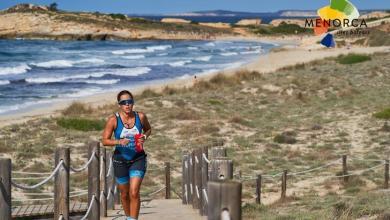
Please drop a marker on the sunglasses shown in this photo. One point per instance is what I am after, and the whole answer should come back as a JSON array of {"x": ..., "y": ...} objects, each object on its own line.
[{"x": 126, "y": 102}]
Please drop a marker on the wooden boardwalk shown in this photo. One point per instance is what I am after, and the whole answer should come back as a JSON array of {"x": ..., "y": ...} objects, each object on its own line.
[
  {"x": 160, "y": 209},
  {"x": 45, "y": 210}
]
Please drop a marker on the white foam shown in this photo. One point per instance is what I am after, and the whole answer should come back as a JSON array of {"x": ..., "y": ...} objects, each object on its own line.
[
  {"x": 210, "y": 44},
  {"x": 179, "y": 63},
  {"x": 131, "y": 71},
  {"x": 135, "y": 57},
  {"x": 22, "y": 106},
  {"x": 4, "y": 82},
  {"x": 83, "y": 92},
  {"x": 149, "y": 49},
  {"x": 46, "y": 79},
  {"x": 162, "y": 54},
  {"x": 103, "y": 82},
  {"x": 251, "y": 52},
  {"x": 90, "y": 60},
  {"x": 204, "y": 59},
  {"x": 54, "y": 63},
  {"x": 193, "y": 48},
  {"x": 159, "y": 47},
  {"x": 229, "y": 54},
  {"x": 23, "y": 68}
]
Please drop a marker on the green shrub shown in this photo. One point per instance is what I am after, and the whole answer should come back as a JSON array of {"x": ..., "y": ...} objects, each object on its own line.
[
  {"x": 384, "y": 114},
  {"x": 118, "y": 16},
  {"x": 353, "y": 58},
  {"x": 81, "y": 124}
]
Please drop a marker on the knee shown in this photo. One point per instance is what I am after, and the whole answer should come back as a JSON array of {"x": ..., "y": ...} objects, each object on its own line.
[
  {"x": 134, "y": 194},
  {"x": 125, "y": 194}
]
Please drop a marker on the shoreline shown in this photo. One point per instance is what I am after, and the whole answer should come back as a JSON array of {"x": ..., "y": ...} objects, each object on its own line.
[{"x": 289, "y": 54}]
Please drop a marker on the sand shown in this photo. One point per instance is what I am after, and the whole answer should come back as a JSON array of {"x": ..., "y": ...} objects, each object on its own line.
[{"x": 294, "y": 51}]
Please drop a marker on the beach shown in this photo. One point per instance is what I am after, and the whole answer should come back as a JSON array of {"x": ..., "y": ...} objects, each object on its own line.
[{"x": 292, "y": 51}]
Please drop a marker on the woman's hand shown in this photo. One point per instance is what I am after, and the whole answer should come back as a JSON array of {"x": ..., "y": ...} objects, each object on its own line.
[
  {"x": 123, "y": 142},
  {"x": 142, "y": 139}
]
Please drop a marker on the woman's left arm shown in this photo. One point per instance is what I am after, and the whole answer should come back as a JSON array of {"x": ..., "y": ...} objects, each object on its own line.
[{"x": 145, "y": 124}]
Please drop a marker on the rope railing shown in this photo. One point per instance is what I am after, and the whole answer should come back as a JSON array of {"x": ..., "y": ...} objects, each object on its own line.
[
  {"x": 89, "y": 207},
  {"x": 157, "y": 191},
  {"x": 314, "y": 169},
  {"x": 41, "y": 183},
  {"x": 30, "y": 173},
  {"x": 109, "y": 168},
  {"x": 77, "y": 170},
  {"x": 357, "y": 172},
  {"x": 205, "y": 158},
  {"x": 61, "y": 217}
]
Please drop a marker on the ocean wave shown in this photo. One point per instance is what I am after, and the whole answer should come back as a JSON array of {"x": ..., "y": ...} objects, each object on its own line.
[
  {"x": 210, "y": 44},
  {"x": 204, "y": 59},
  {"x": 159, "y": 47},
  {"x": 54, "y": 63},
  {"x": 149, "y": 49},
  {"x": 229, "y": 54},
  {"x": 4, "y": 82},
  {"x": 193, "y": 48},
  {"x": 66, "y": 63},
  {"x": 103, "y": 82},
  {"x": 251, "y": 52},
  {"x": 136, "y": 71},
  {"x": 23, "y": 68},
  {"x": 46, "y": 79},
  {"x": 62, "y": 78},
  {"x": 179, "y": 63},
  {"x": 135, "y": 57},
  {"x": 162, "y": 54},
  {"x": 83, "y": 92},
  {"x": 17, "y": 107}
]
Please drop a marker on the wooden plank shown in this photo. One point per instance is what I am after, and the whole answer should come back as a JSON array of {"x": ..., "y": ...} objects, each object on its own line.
[{"x": 5, "y": 189}]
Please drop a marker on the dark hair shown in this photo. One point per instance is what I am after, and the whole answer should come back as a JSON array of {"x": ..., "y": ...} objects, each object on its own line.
[{"x": 123, "y": 92}]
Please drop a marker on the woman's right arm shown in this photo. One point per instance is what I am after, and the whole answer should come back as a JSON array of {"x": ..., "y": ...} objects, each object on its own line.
[{"x": 107, "y": 133}]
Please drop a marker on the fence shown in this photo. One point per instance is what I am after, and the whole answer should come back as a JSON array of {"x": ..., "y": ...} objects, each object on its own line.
[
  {"x": 216, "y": 195},
  {"x": 102, "y": 191}
]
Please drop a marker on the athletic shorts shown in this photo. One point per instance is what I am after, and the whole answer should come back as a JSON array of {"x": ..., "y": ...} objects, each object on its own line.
[{"x": 126, "y": 169}]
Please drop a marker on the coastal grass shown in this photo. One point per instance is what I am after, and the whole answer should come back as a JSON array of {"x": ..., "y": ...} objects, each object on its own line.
[
  {"x": 353, "y": 58},
  {"x": 81, "y": 124},
  {"x": 384, "y": 114}
]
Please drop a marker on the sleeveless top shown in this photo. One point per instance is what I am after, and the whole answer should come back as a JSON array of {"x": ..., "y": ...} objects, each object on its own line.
[{"x": 127, "y": 152}]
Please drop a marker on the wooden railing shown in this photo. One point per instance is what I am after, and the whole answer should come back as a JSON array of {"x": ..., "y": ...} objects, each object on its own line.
[{"x": 102, "y": 189}]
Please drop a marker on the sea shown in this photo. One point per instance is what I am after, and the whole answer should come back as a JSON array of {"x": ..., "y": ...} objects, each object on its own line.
[{"x": 37, "y": 72}]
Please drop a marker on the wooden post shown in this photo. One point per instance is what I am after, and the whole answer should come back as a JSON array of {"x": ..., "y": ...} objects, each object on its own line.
[
  {"x": 198, "y": 179},
  {"x": 221, "y": 169},
  {"x": 61, "y": 184},
  {"x": 110, "y": 182},
  {"x": 184, "y": 186},
  {"x": 345, "y": 169},
  {"x": 284, "y": 185},
  {"x": 103, "y": 184},
  {"x": 224, "y": 195},
  {"x": 5, "y": 189},
  {"x": 94, "y": 180},
  {"x": 190, "y": 178},
  {"x": 258, "y": 189},
  {"x": 386, "y": 185},
  {"x": 167, "y": 180},
  {"x": 218, "y": 152},
  {"x": 205, "y": 179}
]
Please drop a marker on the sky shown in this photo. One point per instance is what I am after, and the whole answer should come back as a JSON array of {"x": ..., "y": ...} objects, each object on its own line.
[{"x": 180, "y": 6}]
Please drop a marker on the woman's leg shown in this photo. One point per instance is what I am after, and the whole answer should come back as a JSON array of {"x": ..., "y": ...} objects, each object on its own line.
[
  {"x": 135, "y": 200},
  {"x": 124, "y": 189}
]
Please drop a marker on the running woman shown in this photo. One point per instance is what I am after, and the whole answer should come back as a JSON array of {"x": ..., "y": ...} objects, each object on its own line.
[{"x": 129, "y": 160}]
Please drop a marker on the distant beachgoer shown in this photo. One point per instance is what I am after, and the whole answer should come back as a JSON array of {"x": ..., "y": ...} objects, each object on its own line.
[
  {"x": 129, "y": 158},
  {"x": 195, "y": 79}
]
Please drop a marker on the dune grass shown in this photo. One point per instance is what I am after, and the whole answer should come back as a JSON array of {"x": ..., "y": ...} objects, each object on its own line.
[
  {"x": 81, "y": 124},
  {"x": 384, "y": 114},
  {"x": 353, "y": 58}
]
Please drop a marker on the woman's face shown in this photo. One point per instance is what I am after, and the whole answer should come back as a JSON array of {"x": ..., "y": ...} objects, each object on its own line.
[{"x": 126, "y": 107}]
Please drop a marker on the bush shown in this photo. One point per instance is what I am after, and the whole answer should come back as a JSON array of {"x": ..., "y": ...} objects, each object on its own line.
[
  {"x": 77, "y": 108},
  {"x": 285, "y": 138},
  {"x": 81, "y": 124},
  {"x": 353, "y": 58},
  {"x": 385, "y": 114},
  {"x": 118, "y": 16}
]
